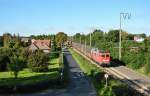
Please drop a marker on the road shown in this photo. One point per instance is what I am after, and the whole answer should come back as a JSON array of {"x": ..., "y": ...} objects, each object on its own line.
[{"x": 79, "y": 85}]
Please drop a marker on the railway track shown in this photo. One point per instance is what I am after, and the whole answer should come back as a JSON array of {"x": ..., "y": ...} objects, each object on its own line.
[{"x": 139, "y": 87}]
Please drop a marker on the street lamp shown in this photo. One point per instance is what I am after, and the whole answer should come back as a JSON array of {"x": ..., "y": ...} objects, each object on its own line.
[{"x": 125, "y": 16}]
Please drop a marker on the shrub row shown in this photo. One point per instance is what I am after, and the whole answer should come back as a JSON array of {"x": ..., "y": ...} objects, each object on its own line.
[{"x": 52, "y": 83}]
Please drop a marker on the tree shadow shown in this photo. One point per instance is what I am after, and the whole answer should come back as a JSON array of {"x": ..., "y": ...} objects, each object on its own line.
[
  {"x": 28, "y": 84},
  {"x": 66, "y": 54},
  {"x": 128, "y": 90},
  {"x": 116, "y": 63},
  {"x": 52, "y": 63},
  {"x": 124, "y": 91},
  {"x": 53, "y": 69},
  {"x": 118, "y": 89}
]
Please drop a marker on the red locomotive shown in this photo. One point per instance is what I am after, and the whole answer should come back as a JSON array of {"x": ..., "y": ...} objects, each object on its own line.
[{"x": 99, "y": 56}]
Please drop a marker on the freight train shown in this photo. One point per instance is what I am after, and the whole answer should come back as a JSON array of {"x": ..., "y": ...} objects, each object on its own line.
[{"x": 101, "y": 57}]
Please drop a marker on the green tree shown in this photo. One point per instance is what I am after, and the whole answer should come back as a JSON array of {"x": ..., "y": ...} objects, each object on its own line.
[
  {"x": 7, "y": 39},
  {"x": 54, "y": 49},
  {"x": 113, "y": 35},
  {"x": 145, "y": 45},
  {"x": 41, "y": 37},
  {"x": 53, "y": 43},
  {"x": 38, "y": 61},
  {"x": 4, "y": 60},
  {"x": 17, "y": 45},
  {"x": 97, "y": 36},
  {"x": 25, "y": 53},
  {"x": 61, "y": 37},
  {"x": 124, "y": 35},
  {"x": 143, "y": 35},
  {"x": 5, "y": 53},
  {"x": 140, "y": 60},
  {"x": 130, "y": 37},
  {"x": 1, "y": 41},
  {"x": 15, "y": 65},
  {"x": 77, "y": 37}
]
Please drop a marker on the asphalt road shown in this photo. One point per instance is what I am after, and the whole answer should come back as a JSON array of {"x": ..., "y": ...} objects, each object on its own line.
[{"x": 79, "y": 85}]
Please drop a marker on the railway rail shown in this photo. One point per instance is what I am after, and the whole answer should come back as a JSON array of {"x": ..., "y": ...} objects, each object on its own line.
[{"x": 133, "y": 80}]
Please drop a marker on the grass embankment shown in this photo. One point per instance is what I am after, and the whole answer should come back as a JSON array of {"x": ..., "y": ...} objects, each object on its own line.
[
  {"x": 141, "y": 70},
  {"x": 115, "y": 87},
  {"x": 29, "y": 81}
]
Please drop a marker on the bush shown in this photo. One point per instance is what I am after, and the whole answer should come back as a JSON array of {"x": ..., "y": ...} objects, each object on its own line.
[
  {"x": 54, "y": 55},
  {"x": 37, "y": 61},
  {"x": 15, "y": 65},
  {"x": 6, "y": 51},
  {"x": 147, "y": 68},
  {"x": 25, "y": 53},
  {"x": 147, "y": 65},
  {"x": 4, "y": 58},
  {"x": 123, "y": 91},
  {"x": 138, "y": 61},
  {"x": 3, "y": 62},
  {"x": 134, "y": 60},
  {"x": 128, "y": 57},
  {"x": 98, "y": 76}
]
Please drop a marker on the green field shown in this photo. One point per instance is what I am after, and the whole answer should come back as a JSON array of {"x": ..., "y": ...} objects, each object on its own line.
[
  {"x": 26, "y": 76},
  {"x": 54, "y": 64}
]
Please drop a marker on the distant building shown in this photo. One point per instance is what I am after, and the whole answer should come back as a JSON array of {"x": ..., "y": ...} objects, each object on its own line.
[
  {"x": 40, "y": 44},
  {"x": 138, "y": 39},
  {"x": 25, "y": 39}
]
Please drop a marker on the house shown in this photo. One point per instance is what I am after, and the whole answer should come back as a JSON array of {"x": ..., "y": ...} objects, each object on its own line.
[
  {"x": 41, "y": 45},
  {"x": 25, "y": 39},
  {"x": 138, "y": 39}
]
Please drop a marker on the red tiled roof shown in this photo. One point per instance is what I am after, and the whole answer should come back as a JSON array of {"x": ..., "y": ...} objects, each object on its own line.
[
  {"x": 47, "y": 42},
  {"x": 42, "y": 44}
]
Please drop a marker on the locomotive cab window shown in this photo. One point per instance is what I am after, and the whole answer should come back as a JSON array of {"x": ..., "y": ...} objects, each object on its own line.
[
  {"x": 107, "y": 55},
  {"x": 103, "y": 55}
]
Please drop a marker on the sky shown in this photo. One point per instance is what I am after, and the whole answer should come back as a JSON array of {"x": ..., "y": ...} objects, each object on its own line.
[{"x": 35, "y": 17}]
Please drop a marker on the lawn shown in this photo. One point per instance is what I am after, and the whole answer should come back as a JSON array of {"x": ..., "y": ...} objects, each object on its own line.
[
  {"x": 27, "y": 77},
  {"x": 54, "y": 63},
  {"x": 115, "y": 86}
]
